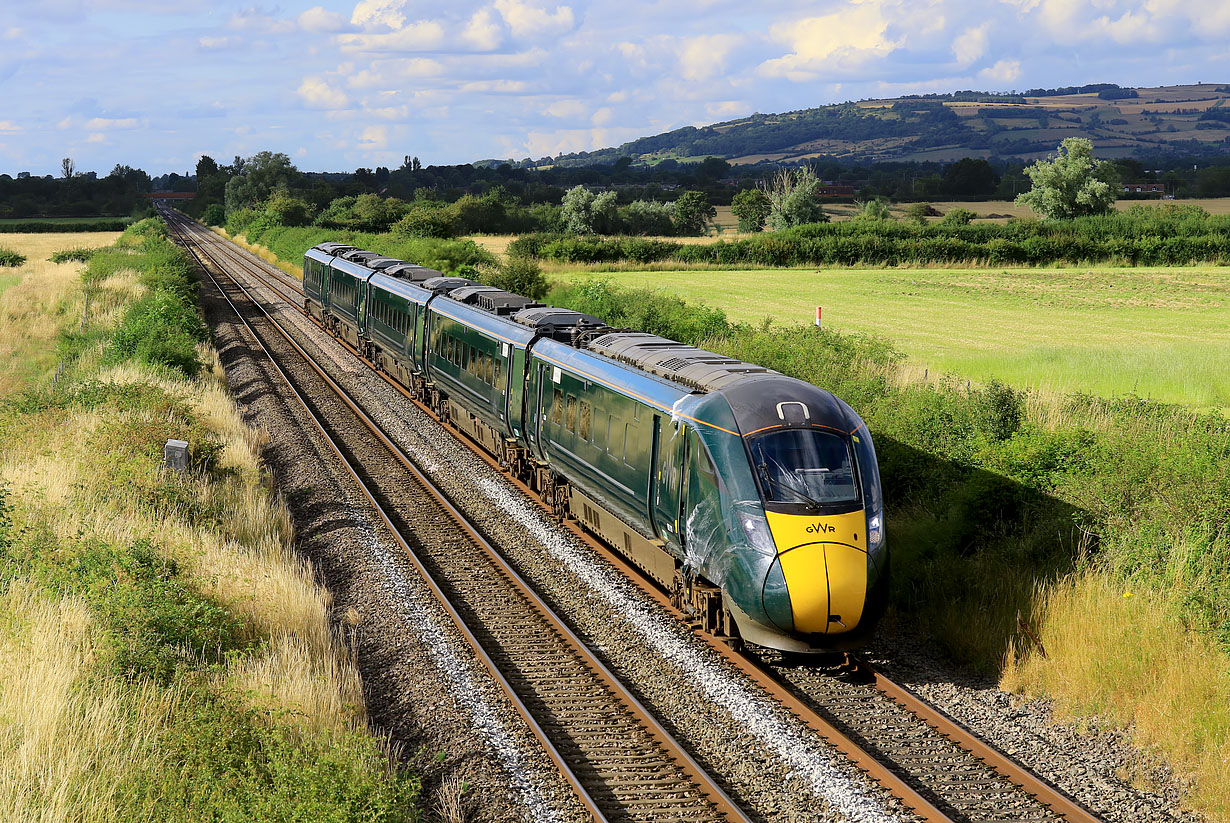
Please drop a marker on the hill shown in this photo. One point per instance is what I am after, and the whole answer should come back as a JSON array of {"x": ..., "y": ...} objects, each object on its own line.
[{"x": 1122, "y": 122}]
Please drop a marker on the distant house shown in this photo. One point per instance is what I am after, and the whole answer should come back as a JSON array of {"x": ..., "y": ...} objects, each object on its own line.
[{"x": 1144, "y": 188}]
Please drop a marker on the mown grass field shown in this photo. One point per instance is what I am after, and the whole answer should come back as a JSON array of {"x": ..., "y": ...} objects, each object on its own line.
[{"x": 1158, "y": 333}]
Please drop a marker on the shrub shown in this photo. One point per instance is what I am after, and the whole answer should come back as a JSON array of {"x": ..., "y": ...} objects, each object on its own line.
[
  {"x": 957, "y": 217},
  {"x": 751, "y": 207},
  {"x": 70, "y": 255},
  {"x": 519, "y": 275},
  {"x": 214, "y": 215},
  {"x": 10, "y": 258},
  {"x": 428, "y": 221}
]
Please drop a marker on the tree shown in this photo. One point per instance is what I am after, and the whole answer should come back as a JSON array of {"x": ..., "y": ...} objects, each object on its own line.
[
  {"x": 693, "y": 213},
  {"x": 751, "y": 207},
  {"x": 584, "y": 212},
  {"x": 1072, "y": 184},
  {"x": 287, "y": 210},
  {"x": 970, "y": 177},
  {"x": 67, "y": 167},
  {"x": 257, "y": 177},
  {"x": 205, "y": 167},
  {"x": 648, "y": 218},
  {"x": 794, "y": 198}
]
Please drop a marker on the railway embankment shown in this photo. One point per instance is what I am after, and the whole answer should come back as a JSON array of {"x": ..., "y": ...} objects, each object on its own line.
[{"x": 166, "y": 650}]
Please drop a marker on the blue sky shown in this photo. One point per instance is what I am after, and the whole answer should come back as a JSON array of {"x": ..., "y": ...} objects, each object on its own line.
[{"x": 338, "y": 85}]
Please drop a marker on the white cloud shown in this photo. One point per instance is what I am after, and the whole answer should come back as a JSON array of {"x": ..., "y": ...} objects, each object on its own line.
[
  {"x": 420, "y": 36},
  {"x": 841, "y": 42},
  {"x": 9, "y": 127},
  {"x": 494, "y": 86},
  {"x": 1004, "y": 71},
  {"x": 96, "y": 137},
  {"x": 374, "y": 137},
  {"x": 393, "y": 73},
  {"x": 602, "y": 116},
  {"x": 483, "y": 32},
  {"x": 13, "y": 33},
  {"x": 617, "y": 97},
  {"x": 104, "y": 123},
  {"x": 318, "y": 18},
  {"x": 372, "y": 14},
  {"x": 971, "y": 44},
  {"x": 702, "y": 58},
  {"x": 251, "y": 20},
  {"x": 725, "y": 108},
  {"x": 566, "y": 109},
  {"x": 526, "y": 20},
  {"x": 218, "y": 42},
  {"x": 320, "y": 95}
]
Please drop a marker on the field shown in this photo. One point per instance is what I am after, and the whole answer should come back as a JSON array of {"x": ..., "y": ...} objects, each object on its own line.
[
  {"x": 65, "y": 220},
  {"x": 1157, "y": 333}
]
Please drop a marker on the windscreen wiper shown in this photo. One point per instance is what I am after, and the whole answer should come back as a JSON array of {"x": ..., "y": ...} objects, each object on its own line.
[{"x": 764, "y": 472}]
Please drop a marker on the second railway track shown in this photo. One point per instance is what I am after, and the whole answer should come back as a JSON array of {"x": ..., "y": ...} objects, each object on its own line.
[{"x": 937, "y": 768}]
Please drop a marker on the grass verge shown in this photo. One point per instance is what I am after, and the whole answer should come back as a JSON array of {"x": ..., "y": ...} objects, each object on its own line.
[{"x": 184, "y": 666}]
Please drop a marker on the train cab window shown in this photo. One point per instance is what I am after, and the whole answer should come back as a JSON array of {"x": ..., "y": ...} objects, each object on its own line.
[
  {"x": 570, "y": 414},
  {"x": 585, "y": 420},
  {"x": 804, "y": 466},
  {"x": 557, "y": 408}
]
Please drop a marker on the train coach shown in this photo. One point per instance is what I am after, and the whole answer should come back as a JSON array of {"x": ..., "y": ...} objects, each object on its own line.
[{"x": 752, "y": 497}]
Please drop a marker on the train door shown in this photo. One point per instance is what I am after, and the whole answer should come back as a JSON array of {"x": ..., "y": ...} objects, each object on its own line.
[
  {"x": 534, "y": 414},
  {"x": 669, "y": 446}
]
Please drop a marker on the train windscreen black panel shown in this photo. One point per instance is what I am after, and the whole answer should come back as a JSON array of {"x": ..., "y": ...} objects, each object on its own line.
[{"x": 805, "y": 466}]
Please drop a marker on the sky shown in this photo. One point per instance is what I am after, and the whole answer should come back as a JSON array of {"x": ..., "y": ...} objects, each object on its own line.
[{"x": 342, "y": 85}]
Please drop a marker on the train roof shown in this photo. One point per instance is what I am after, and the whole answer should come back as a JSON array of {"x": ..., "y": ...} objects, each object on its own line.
[
  {"x": 356, "y": 270},
  {"x": 491, "y": 324},
  {"x": 619, "y": 376},
  {"x": 334, "y": 249},
  {"x": 412, "y": 272},
  {"x": 698, "y": 369},
  {"x": 402, "y": 288}
]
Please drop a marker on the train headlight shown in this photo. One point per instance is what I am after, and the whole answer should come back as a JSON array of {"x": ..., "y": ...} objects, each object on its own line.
[
  {"x": 756, "y": 529},
  {"x": 875, "y": 533}
]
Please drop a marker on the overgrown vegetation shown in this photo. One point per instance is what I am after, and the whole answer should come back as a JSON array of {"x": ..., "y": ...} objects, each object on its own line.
[
  {"x": 78, "y": 255},
  {"x": 1168, "y": 235},
  {"x": 10, "y": 258},
  {"x": 164, "y": 651}
]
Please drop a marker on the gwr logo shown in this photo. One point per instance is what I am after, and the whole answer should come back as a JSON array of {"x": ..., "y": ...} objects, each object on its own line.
[{"x": 821, "y": 528}]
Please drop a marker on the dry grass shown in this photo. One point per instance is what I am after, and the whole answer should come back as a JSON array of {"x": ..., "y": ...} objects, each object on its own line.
[
  {"x": 65, "y": 744},
  {"x": 1121, "y": 654}
]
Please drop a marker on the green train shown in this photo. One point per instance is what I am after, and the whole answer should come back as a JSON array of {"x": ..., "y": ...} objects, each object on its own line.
[{"x": 754, "y": 498}]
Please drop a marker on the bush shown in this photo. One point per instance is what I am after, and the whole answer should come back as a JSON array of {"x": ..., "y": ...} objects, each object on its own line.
[
  {"x": 214, "y": 215},
  {"x": 519, "y": 275},
  {"x": 428, "y": 221},
  {"x": 11, "y": 258},
  {"x": 71, "y": 255},
  {"x": 957, "y": 217}
]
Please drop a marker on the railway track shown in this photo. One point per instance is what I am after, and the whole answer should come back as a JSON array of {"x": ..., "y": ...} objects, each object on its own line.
[
  {"x": 621, "y": 763},
  {"x": 936, "y": 767}
]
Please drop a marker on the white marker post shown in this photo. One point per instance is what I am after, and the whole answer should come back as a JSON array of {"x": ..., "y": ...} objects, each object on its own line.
[{"x": 817, "y": 317}]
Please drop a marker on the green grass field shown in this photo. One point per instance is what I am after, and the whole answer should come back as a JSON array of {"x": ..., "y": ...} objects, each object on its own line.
[
  {"x": 65, "y": 220},
  {"x": 1158, "y": 333},
  {"x": 7, "y": 280}
]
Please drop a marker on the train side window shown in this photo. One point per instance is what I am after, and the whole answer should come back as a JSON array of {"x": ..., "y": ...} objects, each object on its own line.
[
  {"x": 497, "y": 371},
  {"x": 490, "y": 363},
  {"x": 570, "y": 414},
  {"x": 586, "y": 416},
  {"x": 557, "y": 407},
  {"x": 600, "y": 430}
]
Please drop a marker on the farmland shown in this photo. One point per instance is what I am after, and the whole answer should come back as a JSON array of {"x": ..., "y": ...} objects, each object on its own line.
[{"x": 1158, "y": 333}]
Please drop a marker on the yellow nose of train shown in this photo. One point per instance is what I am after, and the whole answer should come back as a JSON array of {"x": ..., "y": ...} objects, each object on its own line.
[{"x": 824, "y": 561}]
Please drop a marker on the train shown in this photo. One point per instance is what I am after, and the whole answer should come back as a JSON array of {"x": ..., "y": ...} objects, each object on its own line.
[{"x": 753, "y": 498}]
